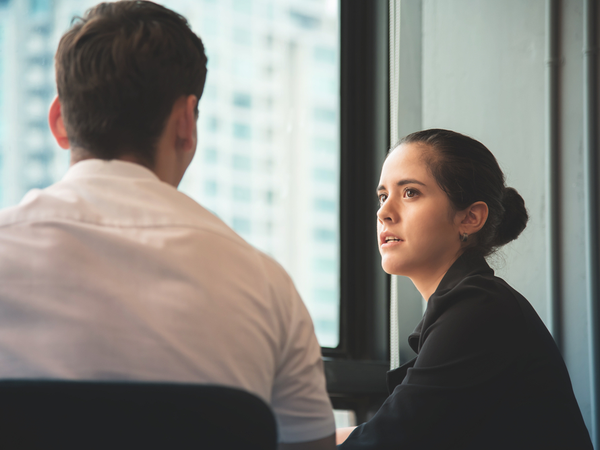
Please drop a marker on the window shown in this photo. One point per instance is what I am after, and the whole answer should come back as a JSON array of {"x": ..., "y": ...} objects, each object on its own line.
[
  {"x": 243, "y": 6},
  {"x": 241, "y": 225},
  {"x": 242, "y": 162},
  {"x": 272, "y": 120},
  {"x": 210, "y": 188},
  {"x": 241, "y": 194},
  {"x": 356, "y": 369},
  {"x": 269, "y": 197},
  {"x": 38, "y": 6},
  {"x": 323, "y": 265},
  {"x": 212, "y": 124},
  {"x": 304, "y": 20},
  {"x": 325, "y": 205},
  {"x": 325, "y": 235},
  {"x": 268, "y": 129},
  {"x": 278, "y": 136},
  {"x": 325, "y": 115},
  {"x": 211, "y": 155},
  {"x": 242, "y": 36},
  {"x": 324, "y": 175},
  {"x": 241, "y": 130},
  {"x": 324, "y": 145},
  {"x": 242, "y": 100},
  {"x": 325, "y": 55}
]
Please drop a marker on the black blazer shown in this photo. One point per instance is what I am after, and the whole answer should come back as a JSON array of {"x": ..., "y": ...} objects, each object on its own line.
[{"x": 488, "y": 375}]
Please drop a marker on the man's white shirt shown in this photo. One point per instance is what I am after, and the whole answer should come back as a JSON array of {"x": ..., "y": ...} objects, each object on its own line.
[{"x": 111, "y": 274}]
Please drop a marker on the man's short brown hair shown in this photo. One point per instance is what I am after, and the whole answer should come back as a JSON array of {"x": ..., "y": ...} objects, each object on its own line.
[{"x": 119, "y": 70}]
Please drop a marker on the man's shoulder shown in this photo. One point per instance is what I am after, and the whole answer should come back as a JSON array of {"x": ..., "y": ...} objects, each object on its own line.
[
  {"x": 118, "y": 202},
  {"x": 146, "y": 206}
]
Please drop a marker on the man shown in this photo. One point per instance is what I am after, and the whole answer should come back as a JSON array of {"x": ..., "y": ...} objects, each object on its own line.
[{"x": 113, "y": 274}]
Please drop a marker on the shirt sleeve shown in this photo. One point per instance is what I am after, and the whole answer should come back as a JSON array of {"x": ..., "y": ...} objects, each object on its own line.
[
  {"x": 459, "y": 374},
  {"x": 299, "y": 399}
]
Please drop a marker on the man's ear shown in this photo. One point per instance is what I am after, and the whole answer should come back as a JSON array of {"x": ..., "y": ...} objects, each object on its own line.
[
  {"x": 474, "y": 218},
  {"x": 57, "y": 125},
  {"x": 186, "y": 125}
]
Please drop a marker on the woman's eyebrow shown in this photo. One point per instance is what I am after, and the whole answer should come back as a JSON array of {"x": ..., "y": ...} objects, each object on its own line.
[
  {"x": 381, "y": 187},
  {"x": 409, "y": 181}
]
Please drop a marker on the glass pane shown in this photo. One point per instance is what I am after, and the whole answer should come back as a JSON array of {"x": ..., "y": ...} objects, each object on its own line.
[
  {"x": 344, "y": 418},
  {"x": 267, "y": 161}
]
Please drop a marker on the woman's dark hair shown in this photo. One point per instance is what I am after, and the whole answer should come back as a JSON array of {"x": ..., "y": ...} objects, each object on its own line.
[{"x": 468, "y": 172}]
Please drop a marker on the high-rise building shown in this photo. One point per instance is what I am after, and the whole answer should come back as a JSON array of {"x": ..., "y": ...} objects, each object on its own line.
[
  {"x": 28, "y": 154},
  {"x": 268, "y": 152}
]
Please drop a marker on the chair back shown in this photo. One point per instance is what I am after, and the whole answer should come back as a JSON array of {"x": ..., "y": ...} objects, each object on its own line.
[{"x": 122, "y": 415}]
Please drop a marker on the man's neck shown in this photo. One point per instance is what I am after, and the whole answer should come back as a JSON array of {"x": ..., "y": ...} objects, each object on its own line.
[
  {"x": 165, "y": 172},
  {"x": 82, "y": 155}
]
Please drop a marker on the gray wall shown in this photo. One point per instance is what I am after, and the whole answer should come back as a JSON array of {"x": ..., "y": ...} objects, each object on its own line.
[{"x": 479, "y": 67}]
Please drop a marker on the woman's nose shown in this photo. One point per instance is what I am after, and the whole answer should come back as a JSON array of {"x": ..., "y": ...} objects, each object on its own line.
[{"x": 386, "y": 212}]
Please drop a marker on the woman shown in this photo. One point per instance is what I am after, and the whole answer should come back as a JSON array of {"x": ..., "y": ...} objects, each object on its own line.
[{"x": 488, "y": 375}]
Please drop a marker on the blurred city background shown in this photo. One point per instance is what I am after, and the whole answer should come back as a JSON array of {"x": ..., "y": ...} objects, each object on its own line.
[{"x": 267, "y": 161}]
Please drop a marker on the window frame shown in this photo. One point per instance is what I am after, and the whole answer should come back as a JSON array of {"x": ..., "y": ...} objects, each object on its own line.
[{"x": 355, "y": 370}]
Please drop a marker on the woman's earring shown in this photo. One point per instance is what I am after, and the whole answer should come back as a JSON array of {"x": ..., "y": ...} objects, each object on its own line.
[{"x": 464, "y": 237}]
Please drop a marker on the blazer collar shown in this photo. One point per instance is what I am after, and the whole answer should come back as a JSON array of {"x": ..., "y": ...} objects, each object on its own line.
[{"x": 467, "y": 264}]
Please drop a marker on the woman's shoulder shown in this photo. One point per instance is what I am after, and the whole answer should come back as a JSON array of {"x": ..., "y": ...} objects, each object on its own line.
[
  {"x": 472, "y": 303},
  {"x": 476, "y": 293},
  {"x": 476, "y": 321},
  {"x": 482, "y": 309},
  {"x": 471, "y": 282}
]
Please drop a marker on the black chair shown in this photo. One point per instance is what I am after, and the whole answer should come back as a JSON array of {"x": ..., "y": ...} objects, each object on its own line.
[{"x": 121, "y": 415}]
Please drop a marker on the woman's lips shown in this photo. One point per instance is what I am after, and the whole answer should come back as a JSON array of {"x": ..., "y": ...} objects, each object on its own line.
[
  {"x": 390, "y": 244},
  {"x": 389, "y": 240}
]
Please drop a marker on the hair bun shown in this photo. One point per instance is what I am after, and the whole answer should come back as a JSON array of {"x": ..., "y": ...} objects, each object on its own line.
[{"x": 515, "y": 217}]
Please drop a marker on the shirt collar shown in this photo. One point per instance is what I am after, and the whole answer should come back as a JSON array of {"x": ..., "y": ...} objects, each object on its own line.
[{"x": 113, "y": 167}]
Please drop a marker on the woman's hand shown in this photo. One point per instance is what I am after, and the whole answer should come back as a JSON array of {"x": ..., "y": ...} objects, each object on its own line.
[{"x": 342, "y": 433}]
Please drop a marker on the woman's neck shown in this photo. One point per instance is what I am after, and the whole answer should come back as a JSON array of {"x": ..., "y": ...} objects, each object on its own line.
[{"x": 428, "y": 281}]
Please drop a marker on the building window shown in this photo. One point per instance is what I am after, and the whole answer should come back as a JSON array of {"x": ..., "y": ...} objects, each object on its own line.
[
  {"x": 325, "y": 265},
  {"x": 243, "y": 6},
  {"x": 241, "y": 194},
  {"x": 241, "y": 225},
  {"x": 242, "y": 100},
  {"x": 242, "y": 162},
  {"x": 325, "y": 115},
  {"x": 325, "y": 55},
  {"x": 242, "y": 36},
  {"x": 324, "y": 175},
  {"x": 325, "y": 205},
  {"x": 211, "y": 155},
  {"x": 210, "y": 188},
  {"x": 325, "y": 145},
  {"x": 212, "y": 124},
  {"x": 241, "y": 130},
  {"x": 304, "y": 20},
  {"x": 325, "y": 235}
]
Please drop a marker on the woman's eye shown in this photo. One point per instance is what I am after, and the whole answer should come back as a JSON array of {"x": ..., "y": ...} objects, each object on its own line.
[
  {"x": 382, "y": 198},
  {"x": 410, "y": 193}
]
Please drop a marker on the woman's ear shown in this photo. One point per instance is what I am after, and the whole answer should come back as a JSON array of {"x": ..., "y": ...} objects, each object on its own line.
[
  {"x": 474, "y": 218},
  {"x": 57, "y": 125}
]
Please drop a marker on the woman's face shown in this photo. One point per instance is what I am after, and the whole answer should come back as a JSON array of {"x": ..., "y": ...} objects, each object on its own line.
[{"x": 417, "y": 229}]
